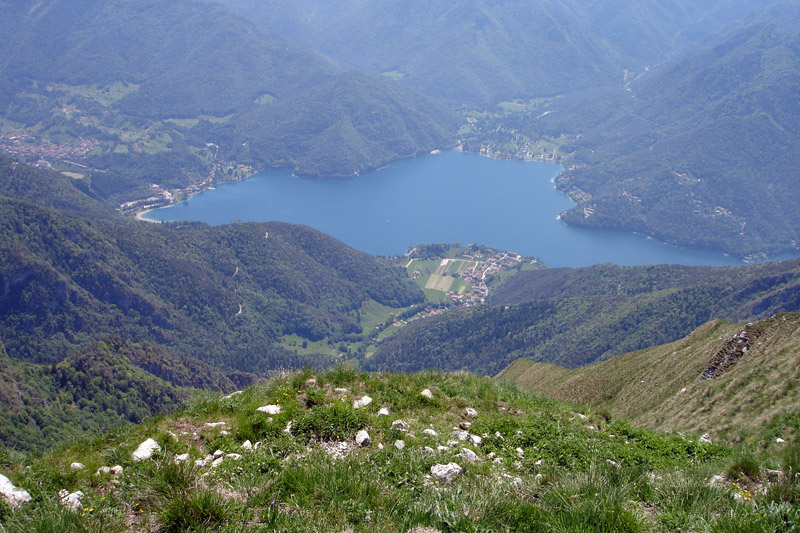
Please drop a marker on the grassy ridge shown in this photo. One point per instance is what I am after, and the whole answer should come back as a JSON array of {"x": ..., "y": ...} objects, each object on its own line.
[
  {"x": 660, "y": 387},
  {"x": 572, "y": 472}
]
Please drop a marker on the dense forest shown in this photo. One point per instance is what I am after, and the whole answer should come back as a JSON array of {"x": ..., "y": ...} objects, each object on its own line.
[{"x": 574, "y": 317}]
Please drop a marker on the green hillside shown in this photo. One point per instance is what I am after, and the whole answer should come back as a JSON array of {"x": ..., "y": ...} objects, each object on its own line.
[
  {"x": 724, "y": 379},
  {"x": 527, "y": 465},
  {"x": 575, "y": 317},
  {"x": 101, "y": 386},
  {"x": 126, "y": 94},
  {"x": 226, "y": 295},
  {"x": 479, "y": 53},
  {"x": 701, "y": 154}
]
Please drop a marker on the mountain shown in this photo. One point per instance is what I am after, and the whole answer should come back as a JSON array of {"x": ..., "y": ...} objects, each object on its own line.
[
  {"x": 702, "y": 154},
  {"x": 225, "y": 295},
  {"x": 723, "y": 378},
  {"x": 575, "y": 317},
  {"x": 478, "y": 52},
  {"x": 525, "y": 464},
  {"x": 101, "y": 386},
  {"x": 129, "y": 93}
]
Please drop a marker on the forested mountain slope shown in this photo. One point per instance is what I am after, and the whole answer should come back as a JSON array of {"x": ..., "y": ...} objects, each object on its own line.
[
  {"x": 224, "y": 294},
  {"x": 574, "y": 317},
  {"x": 103, "y": 385},
  {"x": 479, "y": 52},
  {"x": 702, "y": 154},
  {"x": 141, "y": 93}
]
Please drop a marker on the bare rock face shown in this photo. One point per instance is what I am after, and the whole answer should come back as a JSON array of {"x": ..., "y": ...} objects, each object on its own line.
[
  {"x": 362, "y": 439},
  {"x": 146, "y": 450},
  {"x": 446, "y": 473}
]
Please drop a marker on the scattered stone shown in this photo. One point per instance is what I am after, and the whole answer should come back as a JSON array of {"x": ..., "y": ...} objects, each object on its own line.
[
  {"x": 218, "y": 461},
  {"x": 514, "y": 479},
  {"x": 499, "y": 436},
  {"x": 362, "y": 438},
  {"x": 400, "y": 425},
  {"x": 341, "y": 390},
  {"x": 363, "y": 402},
  {"x": 336, "y": 450},
  {"x": 383, "y": 411},
  {"x": 613, "y": 463},
  {"x": 476, "y": 440},
  {"x": 247, "y": 445},
  {"x": 223, "y": 432},
  {"x": 420, "y": 529},
  {"x": 200, "y": 463},
  {"x": 520, "y": 452},
  {"x": 269, "y": 409},
  {"x": 774, "y": 475},
  {"x": 779, "y": 440},
  {"x": 213, "y": 424},
  {"x": 116, "y": 470},
  {"x": 428, "y": 449},
  {"x": 380, "y": 446},
  {"x": 706, "y": 438},
  {"x": 469, "y": 455},
  {"x": 716, "y": 480},
  {"x": 258, "y": 445},
  {"x": 427, "y": 394},
  {"x": 13, "y": 495},
  {"x": 217, "y": 454},
  {"x": 538, "y": 477},
  {"x": 465, "y": 425},
  {"x": 233, "y": 456},
  {"x": 540, "y": 462},
  {"x": 429, "y": 432},
  {"x": 446, "y": 473},
  {"x": 231, "y": 395},
  {"x": 77, "y": 466},
  {"x": 311, "y": 382},
  {"x": 182, "y": 458},
  {"x": 461, "y": 435},
  {"x": 442, "y": 448},
  {"x": 103, "y": 471},
  {"x": 470, "y": 412},
  {"x": 452, "y": 443},
  {"x": 590, "y": 427},
  {"x": 71, "y": 501},
  {"x": 146, "y": 450},
  {"x": 497, "y": 461},
  {"x": 683, "y": 390},
  {"x": 738, "y": 497},
  {"x": 399, "y": 444},
  {"x": 288, "y": 428},
  {"x": 582, "y": 417}
]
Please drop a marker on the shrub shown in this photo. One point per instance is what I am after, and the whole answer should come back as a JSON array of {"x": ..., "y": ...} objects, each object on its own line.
[
  {"x": 196, "y": 511},
  {"x": 744, "y": 467},
  {"x": 337, "y": 421}
]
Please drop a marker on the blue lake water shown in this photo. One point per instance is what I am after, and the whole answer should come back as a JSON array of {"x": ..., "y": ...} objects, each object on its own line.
[{"x": 446, "y": 197}]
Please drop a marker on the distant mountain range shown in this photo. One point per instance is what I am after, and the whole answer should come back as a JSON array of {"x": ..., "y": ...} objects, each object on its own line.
[{"x": 168, "y": 91}]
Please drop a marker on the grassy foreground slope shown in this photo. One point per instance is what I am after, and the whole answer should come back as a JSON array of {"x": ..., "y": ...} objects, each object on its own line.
[
  {"x": 528, "y": 464},
  {"x": 724, "y": 379}
]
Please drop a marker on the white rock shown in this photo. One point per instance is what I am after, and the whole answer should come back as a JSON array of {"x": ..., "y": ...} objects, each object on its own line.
[
  {"x": 116, "y": 470},
  {"x": 200, "y": 463},
  {"x": 103, "y": 470},
  {"x": 499, "y": 436},
  {"x": 429, "y": 432},
  {"x": 581, "y": 416},
  {"x": 380, "y": 446},
  {"x": 468, "y": 454},
  {"x": 427, "y": 394},
  {"x": 613, "y": 463},
  {"x": 182, "y": 458},
  {"x": 71, "y": 501},
  {"x": 224, "y": 432},
  {"x": 218, "y": 461},
  {"x": 270, "y": 409},
  {"x": 472, "y": 413},
  {"x": 540, "y": 462},
  {"x": 247, "y": 445},
  {"x": 288, "y": 428},
  {"x": 311, "y": 382},
  {"x": 361, "y": 403},
  {"x": 217, "y": 454},
  {"x": 706, "y": 438},
  {"x": 428, "y": 449},
  {"x": 233, "y": 456},
  {"x": 716, "y": 480},
  {"x": 538, "y": 477},
  {"x": 213, "y": 424},
  {"x": 461, "y": 435},
  {"x": 497, "y": 461},
  {"x": 399, "y": 425},
  {"x": 383, "y": 412},
  {"x": 452, "y": 443},
  {"x": 231, "y": 395},
  {"x": 341, "y": 390},
  {"x": 446, "y": 473},
  {"x": 465, "y": 425},
  {"x": 13, "y": 495},
  {"x": 146, "y": 450},
  {"x": 774, "y": 475},
  {"x": 362, "y": 438},
  {"x": 779, "y": 440},
  {"x": 442, "y": 448},
  {"x": 77, "y": 466},
  {"x": 476, "y": 440},
  {"x": 520, "y": 452},
  {"x": 399, "y": 444}
]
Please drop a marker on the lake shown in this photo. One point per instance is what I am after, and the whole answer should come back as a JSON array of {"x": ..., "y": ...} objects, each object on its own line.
[{"x": 447, "y": 197}]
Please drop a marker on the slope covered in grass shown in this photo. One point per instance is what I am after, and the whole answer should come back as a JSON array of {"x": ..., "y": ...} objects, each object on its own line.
[
  {"x": 538, "y": 465},
  {"x": 724, "y": 379}
]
